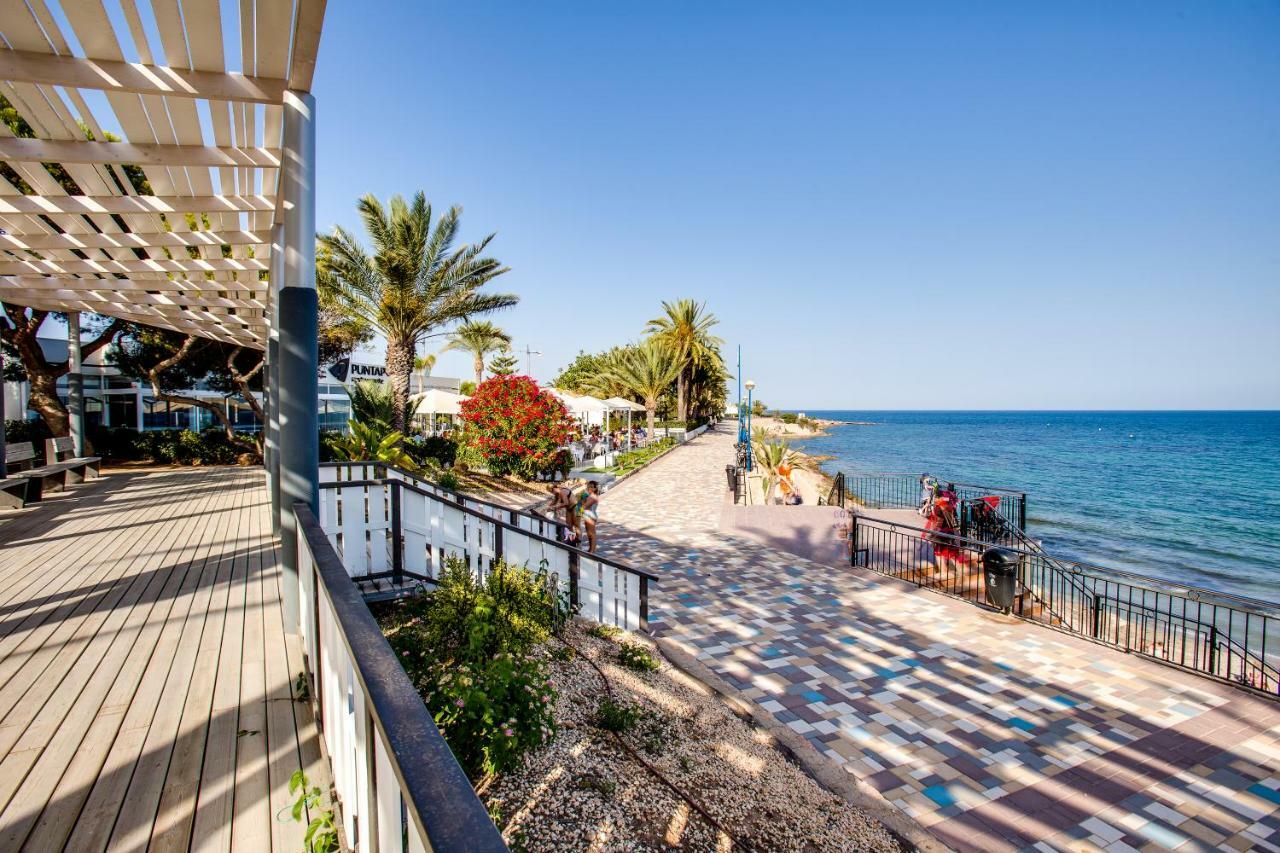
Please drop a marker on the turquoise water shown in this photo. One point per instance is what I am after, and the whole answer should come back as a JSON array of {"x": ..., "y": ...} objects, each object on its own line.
[{"x": 1192, "y": 497}]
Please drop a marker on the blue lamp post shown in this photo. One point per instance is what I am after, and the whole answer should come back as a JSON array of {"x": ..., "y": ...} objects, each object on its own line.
[{"x": 751, "y": 386}]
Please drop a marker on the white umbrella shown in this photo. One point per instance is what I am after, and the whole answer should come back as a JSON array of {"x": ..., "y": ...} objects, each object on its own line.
[
  {"x": 438, "y": 401},
  {"x": 629, "y": 406},
  {"x": 582, "y": 406}
]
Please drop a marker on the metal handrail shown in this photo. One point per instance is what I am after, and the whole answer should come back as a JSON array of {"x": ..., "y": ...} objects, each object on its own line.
[
  {"x": 512, "y": 510},
  {"x": 437, "y": 795},
  {"x": 1094, "y": 588},
  {"x": 475, "y": 513},
  {"x": 916, "y": 476},
  {"x": 1195, "y": 593}
]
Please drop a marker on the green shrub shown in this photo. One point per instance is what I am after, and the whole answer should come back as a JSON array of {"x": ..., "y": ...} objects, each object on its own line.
[
  {"x": 448, "y": 480},
  {"x": 434, "y": 447},
  {"x": 468, "y": 648},
  {"x": 617, "y": 717},
  {"x": 637, "y": 657},
  {"x": 34, "y": 431},
  {"x": 330, "y": 441},
  {"x": 604, "y": 632}
]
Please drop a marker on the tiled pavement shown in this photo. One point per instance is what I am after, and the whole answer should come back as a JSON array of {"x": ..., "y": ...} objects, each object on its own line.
[{"x": 993, "y": 733}]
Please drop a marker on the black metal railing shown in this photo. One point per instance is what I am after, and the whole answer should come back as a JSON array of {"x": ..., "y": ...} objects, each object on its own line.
[
  {"x": 1215, "y": 634},
  {"x": 736, "y": 478},
  {"x": 904, "y": 491},
  {"x": 836, "y": 495}
]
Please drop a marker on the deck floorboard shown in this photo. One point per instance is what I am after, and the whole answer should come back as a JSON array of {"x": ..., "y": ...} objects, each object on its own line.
[{"x": 145, "y": 676}]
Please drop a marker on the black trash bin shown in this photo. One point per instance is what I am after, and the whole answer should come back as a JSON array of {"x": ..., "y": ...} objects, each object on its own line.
[
  {"x": 731, "y": 472},
  {"x": 1000, "y": 567}
]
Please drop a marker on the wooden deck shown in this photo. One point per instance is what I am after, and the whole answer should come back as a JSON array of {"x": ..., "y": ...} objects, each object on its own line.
[{"x": 145, "y": 677}]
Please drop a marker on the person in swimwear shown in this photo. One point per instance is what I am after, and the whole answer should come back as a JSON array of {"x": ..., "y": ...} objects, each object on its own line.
[{"x": 589, "y": 512}]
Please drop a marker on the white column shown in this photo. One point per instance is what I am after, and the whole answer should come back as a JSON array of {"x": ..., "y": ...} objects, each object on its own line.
[
  {"x": 75, "y": 383},
  {"x": 296, "y": 320},
  {"x": 138, "y": 414},
  {"x": 271, "y": 381}
]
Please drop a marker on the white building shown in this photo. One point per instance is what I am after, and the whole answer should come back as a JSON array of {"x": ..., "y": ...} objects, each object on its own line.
[{"x": 113, "y": 400}]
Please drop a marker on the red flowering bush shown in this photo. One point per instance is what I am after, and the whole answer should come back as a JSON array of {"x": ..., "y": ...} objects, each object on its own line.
[{"x": 516, "y": 427}]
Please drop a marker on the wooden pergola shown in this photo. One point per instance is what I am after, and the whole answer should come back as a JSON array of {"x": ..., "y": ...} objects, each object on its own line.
[{"x": 163, "y": 172}]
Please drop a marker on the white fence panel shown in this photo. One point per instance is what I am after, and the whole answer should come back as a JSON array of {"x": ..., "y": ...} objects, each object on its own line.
[
  {"x": 415, "y": 527},
  {"x": 608, "y": 595}
]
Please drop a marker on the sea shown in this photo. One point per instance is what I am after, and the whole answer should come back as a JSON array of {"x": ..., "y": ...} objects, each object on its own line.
[{"x": 1190, "y": 497}]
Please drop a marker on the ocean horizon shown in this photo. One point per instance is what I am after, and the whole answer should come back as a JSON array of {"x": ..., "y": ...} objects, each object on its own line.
[{"x": 1186, "y": 495}]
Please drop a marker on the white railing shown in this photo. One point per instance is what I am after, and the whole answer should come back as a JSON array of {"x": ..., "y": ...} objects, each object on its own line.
[
  {"x": 388, "y": 524},
  {"x": 398, "y": 785}
]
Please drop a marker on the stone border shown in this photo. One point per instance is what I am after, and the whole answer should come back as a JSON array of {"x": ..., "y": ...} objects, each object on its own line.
[{"x": 822, "y": 770}]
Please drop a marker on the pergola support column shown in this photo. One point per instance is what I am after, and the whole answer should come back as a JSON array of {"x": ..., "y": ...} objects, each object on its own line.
[
  {"x": 296, "y": 320},
  {"x": 271, "y": 444},
  {"x": 75, "y": 383}
]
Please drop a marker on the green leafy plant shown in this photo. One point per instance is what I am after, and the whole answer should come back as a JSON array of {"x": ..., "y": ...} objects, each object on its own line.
[
  {"x": 637, "y": 657},
  {"x": 604, "y": 632},
  {"x": 468, "y": 647},
  {"x": 371, "y": 442},
  {"x": 322, "y": 831},
  {"x": 448, "y": 481},
  {"x": 602, "y": 786},
  {"x": 617, "y": 717}
]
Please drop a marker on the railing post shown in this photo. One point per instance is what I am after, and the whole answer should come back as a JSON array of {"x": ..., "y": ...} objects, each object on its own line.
[
  {"x": 1097, "y": 618},
  {"x": 853, "y": 540},
  {"x": 397, "y": 534},
  {"x": 574, "y": 574},
  {"x": 1213, "y": 649},
  {"x": 644, "y": 603},
  {"x": 1022, "y": 511}
]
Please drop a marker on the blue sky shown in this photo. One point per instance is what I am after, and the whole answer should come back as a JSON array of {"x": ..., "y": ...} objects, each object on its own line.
[{"x": 888, "y": 206}]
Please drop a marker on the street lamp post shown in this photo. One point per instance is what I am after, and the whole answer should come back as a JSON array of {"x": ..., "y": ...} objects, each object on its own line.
[{"x": 751, "y": 386}]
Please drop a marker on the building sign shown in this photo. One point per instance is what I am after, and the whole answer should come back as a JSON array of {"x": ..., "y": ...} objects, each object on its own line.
[{"x": 346, "y": 369}]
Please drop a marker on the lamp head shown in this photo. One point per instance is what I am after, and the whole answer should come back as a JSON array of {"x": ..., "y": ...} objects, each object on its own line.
[{"x": 751, "y": 385}]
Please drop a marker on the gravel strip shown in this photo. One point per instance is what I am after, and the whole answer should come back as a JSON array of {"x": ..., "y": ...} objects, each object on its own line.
[{"x": 584, "y": 792}]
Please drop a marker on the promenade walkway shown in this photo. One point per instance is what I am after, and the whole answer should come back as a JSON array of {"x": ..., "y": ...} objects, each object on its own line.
[
  {"x": 145, "y": 676},
  {"x": 993, "y": 733}
]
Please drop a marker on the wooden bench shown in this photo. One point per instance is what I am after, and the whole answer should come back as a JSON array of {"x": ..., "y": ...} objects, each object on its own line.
[
  {"x": 21, "y": 459},
  {"x": 79, "y": 468},
  {"x": 13, "y": 491}
]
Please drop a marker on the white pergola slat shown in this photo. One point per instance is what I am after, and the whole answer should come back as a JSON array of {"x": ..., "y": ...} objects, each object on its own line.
[
  {"x": 66, "y": 152},
  {"x": 129, "y": 240},
  {"x": 201, "y": 243},
  {"x": 137, "y": 78}
]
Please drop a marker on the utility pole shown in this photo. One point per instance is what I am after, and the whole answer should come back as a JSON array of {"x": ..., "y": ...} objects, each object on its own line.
[{"x": 529, "y": 353}]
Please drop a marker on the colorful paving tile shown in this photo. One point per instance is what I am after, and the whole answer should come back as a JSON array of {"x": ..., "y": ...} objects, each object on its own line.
[{"x": 993, "y": 733}]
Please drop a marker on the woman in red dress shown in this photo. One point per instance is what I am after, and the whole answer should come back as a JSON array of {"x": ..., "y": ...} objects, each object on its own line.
[{"x": 944, "y": 524}]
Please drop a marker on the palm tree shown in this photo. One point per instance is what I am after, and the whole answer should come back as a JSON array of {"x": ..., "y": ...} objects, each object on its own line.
[
  {"x": 773, "y": 458},
  {"x": 414, "y": 282},
  {"x": 686, "y": 327},
  {"x": 645, "y": 370},
  {"x": 480, "y": 338}
]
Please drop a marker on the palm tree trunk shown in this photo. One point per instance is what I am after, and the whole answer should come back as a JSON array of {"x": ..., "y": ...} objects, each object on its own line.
[
  {"x": 399, "y": 369},
  {"x": 682, "y": 406},
  {"x": 479, "y": 366},
  {"x": 651, "y": 412}
]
